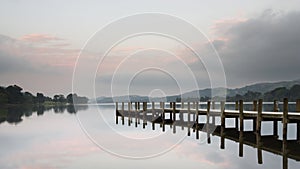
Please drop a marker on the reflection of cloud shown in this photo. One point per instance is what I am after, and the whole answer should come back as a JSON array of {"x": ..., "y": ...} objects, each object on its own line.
[
  {"x": 204, "y": 154},
  {"x": 53, "y": 154}
]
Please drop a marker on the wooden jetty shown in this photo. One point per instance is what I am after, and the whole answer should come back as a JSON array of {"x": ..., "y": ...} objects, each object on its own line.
[{"x": 173, "y": 115}]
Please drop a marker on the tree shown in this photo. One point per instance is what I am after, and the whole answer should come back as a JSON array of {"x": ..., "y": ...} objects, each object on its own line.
[
  {"x": 276, "y": 94},
  {"x": 295, "y": 93},
  {"x": 40, "y": 98},
  {"x": 15, "y": 95}
]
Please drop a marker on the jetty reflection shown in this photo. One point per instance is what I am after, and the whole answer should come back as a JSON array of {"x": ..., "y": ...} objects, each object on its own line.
[{"x": 188, "y": 118}]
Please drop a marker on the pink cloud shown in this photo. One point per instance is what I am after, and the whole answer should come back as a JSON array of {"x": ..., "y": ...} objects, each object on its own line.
[{"x": 40, "y": 38}]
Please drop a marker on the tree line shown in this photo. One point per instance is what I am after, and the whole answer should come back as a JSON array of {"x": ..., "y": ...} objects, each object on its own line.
[
  {"x": 14, "y": 94},
  {"x": 279, "y": 93}
]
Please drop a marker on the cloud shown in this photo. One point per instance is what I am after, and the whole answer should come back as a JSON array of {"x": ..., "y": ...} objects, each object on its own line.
[
  {"x": 22, "y": 63},
  {"x": 263, "y": 48},
  {"x": 40, "y": 38}
]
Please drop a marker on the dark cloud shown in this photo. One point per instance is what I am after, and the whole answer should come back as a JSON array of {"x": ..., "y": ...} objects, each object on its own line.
[{"x": 265, "y": 48}]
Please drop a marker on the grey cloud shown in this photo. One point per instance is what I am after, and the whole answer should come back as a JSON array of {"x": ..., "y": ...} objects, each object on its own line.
[{"x": 266, "y": 48}]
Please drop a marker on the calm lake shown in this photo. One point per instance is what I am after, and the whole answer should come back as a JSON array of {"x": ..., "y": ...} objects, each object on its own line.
[{"x": 90, "y": 138}]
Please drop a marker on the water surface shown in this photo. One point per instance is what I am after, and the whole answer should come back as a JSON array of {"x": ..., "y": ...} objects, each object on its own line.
[{"x": 90, "y": 138}]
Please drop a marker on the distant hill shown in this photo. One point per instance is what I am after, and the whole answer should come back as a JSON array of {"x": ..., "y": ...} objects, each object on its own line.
[{"x": 206, "y": 93}]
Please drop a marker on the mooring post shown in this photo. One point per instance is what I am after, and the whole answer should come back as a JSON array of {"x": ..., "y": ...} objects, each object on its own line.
[
  {"x": 144, "y": 119},
  {"x": 298, "y": 132},
  {"x": 197, "y": 114},
  {"x": 298, "y": 105},
  {"x": 285, "y": 118},
  {"x": 163, "y": 116},
  {"x": 182, "y": 105},
  {"x": 241, "y": 137},
  {"x": 222, "y": 103},
  {"x": 144, "y": 106},
  {"x": 174, "y": 116},
  {"x": 207, "y": 122},
  {"x": 236, "y": 105},
  {"x": 117, "y": 112},
  {"x": 213, "y": 105},
  {"x": 241, "y": 115},
  {"x": 259, "y": 117},
  {"x": 189, "y": 118},
  {"x": 153, "y": 109},
  {"x": 197, "y": 120},
  {"x": 129, "y": 107},
  {"x": 122, "y": 113},
  {"x": 275, "y": 106},
  {"x": 174, "y": 111},
  {"x": 254, "y": 120},
  {"x": 284, "y": 134},
  {"x": 254, "y": 105},
  {"x": 170, "y": 105},
  {"x": 236, "y": 119},
  {"x": 153, "y": 118}
]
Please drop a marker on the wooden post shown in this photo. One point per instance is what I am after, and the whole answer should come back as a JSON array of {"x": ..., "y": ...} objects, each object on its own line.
[
  {"x": 189, "y": 119},
  {"x": 117, "y": 117},
  {"x": 207, "y": 122},
  {"x": 123, "y": 113},
  {"x": 222, "y": 114},
  {"x": 298, "y": 132},
  {"x": 197, "y": 114},
  {"x": 174, "y": 111},
  {"x": 284, "y": 134},
  {"x": 254, "y": 120},
  {"x": 213, "y": 105},
  {"x": 129, "y": 107},
  {"x": 298, "y": 105},
  {"x": 138, "y": 105},
  {"x": 182, "y": 105},
  {"x": 144, "y": 106},
  {"x": 241, "y": 137},
  {"x": 144, "y": 120},
  {"x": 241, "y": 116},
  {"x": 197, "y": 120},
  {"x": 259, "y": 117},
  {"x": 275, "y": 128},
  {"x": 236, "y": 119},
  {"x": 236, "y": 105},
  {"x": 223, "y": 125},
  {"x": 285, "y": 118},
  {"x": 170, "y": 105},
  {"x": 163, "y": 116},
  {"x": 255, "y": 105},
  {"x": 153, "y": 109},
  {"x": 153, "y": 118},
  {"x": 275, "y": 106}
]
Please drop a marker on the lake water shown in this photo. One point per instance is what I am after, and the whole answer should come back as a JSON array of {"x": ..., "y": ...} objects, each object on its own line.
[{"x": 90, "y": 138}]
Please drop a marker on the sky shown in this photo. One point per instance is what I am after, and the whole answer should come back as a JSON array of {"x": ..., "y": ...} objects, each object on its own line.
[{"x": 46, "y": 44}]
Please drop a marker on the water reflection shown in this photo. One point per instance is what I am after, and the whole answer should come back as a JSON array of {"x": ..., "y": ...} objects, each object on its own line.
[
  {"x": 288, "y": 149},
  {"x": 14, "y": 114}
]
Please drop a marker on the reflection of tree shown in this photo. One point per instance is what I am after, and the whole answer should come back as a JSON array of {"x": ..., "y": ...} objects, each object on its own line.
[
  {"x": 74, "y": 108},
  {"x": 14, "y": 114}
]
